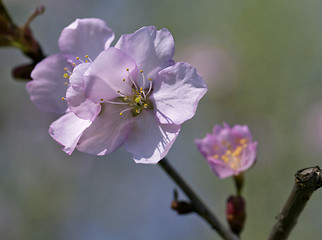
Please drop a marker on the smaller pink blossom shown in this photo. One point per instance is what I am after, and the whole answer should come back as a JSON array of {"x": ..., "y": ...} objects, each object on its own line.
[{"x": 229, "y": 151}]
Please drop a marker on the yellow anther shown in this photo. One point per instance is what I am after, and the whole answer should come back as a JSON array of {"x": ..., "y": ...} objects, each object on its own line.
[
  {"x": 225, "y": 158},
  {"x": 237, "y": 151},
  {"x": 141, "y": 71},
  {"x": 66, "y": 83},
  {"x": 141, "y": 89},
  {"x": 74, "y": 64},
  {"x": 86, "y": 56},
  {"x": 137, "y": 110},
  {"x": 118, "y": 91},
  {"x": 243, "y": 140},
  {"x": 65, "y": 69},
  {"x": 101, "y": 99},
  {"x": 77, "y": 58},
  {"x": 86, "y": 61},
  {"x": 63, "y": 98},
  {"x": 228, "y": 152},
  {"x": 127, "y": 69},
  {"x": 123, "y": 79},
  {"x": 233, "y": 165},
  {"x": 145, "y": 105},
  {"x": 150, "y": 79},
  {"x": 66, "y": 75},
  {"x": 121, "y": 113}
]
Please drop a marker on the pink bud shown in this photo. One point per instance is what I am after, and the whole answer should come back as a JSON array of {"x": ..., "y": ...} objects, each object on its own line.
[{"x": 236, "y": 213}]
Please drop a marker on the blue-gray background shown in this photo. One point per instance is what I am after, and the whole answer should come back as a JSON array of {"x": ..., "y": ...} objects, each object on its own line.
[{"x": 262, "y": 61}]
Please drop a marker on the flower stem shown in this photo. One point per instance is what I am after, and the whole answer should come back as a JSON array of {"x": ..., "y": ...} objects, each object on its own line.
[
  {"x": 306, "y": 182},
  {"x": 199, "y": 207},
  {"x": 239, "y": 183}
]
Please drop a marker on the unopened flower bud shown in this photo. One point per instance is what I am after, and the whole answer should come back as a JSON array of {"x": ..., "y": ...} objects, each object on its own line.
[
  {"x": 236, "y": 213},
  {"x": 181, "y": 207}
]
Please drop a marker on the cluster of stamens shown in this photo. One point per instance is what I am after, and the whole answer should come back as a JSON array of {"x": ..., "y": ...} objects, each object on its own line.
[
  {"x": 232, "y": 157},
  {"x": 68, "y": 73},
  {"x": 138, "y": 100}
]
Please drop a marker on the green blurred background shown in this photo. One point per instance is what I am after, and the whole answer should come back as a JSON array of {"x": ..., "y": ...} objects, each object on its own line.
[{"x": 262, "y": 61}]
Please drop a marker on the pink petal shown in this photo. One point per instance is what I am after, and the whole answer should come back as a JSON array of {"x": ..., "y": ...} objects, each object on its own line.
[
  {"x": 149, "y": 140},
  {"x": 48, "y": 85},
  {"x": 105, "y": 76},
  {"x": 81, "y": 106},
  {"x": 151, "y": 49},
  {"x": 206, "y": 145},
  {"x": 177, "y": 91},
  {"x": 239, "y": 132},
  {"x": 87, "y": 36},
  {"x": 67, "y": 130},
  {"x": 108, "y": 131},
  {"x": 220, "y": 168},
  {"x": 248, "y": 157}
]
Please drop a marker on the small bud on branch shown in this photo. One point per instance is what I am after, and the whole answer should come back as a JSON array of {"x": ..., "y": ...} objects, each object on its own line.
[
  {"x": 181, "y": 207},
  {"x": 236, "y": 213}
]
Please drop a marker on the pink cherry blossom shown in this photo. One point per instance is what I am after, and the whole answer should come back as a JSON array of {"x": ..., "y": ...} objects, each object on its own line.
[
  {"x": 132, "y": 94},
  {"x": 229, "y": 151}
]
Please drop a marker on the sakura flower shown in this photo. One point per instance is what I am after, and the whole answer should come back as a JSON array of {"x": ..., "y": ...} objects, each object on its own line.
[
  {"x": 139, "y": 96},
  {"x": 229, "y": 151},
  {"x": 79, "y": 42}
]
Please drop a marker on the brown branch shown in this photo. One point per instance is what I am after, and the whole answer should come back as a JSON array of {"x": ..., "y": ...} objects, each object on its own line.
[
  {"x": 306, "y": 182},
  {"x": 22, "y": 38},
  {"x": 198, "y": 206}
]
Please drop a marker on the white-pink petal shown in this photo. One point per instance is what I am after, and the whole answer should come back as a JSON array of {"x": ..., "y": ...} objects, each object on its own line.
[
  {"x": 81, "y": 106},
  {"x": 48, "y": 85},
  {"x": 67, "y": 130},
  {"x": 108, "y": 131},
  {"x": 104, "y": 78},
  {"x": 88, "y": 36},
  {"x": 149, "y": 140},
  {"x": 151, "y": 49},
  {"x": 176, "y": 93}
]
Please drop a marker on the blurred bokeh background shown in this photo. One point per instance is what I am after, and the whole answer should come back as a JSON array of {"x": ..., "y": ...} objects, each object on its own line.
[{"x": 262, "y": 61}]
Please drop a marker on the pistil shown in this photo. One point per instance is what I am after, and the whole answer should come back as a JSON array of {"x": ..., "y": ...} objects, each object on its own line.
[{"x": 138, "y": 99}]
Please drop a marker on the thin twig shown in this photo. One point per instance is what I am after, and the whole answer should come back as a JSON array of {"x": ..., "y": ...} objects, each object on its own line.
[
  {"x": 306, "y": 182},
  {"x": 198, "y": 205}
]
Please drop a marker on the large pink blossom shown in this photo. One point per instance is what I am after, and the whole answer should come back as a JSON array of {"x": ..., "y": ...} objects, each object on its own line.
[
  {"x": 131, "y": 94},
  {"x": 229, "y": 151}
]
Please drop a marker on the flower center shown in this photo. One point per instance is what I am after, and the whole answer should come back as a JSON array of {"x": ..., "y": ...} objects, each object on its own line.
[
  {"x": 232, "y": 157},
  {"x": 138, "y": 100}
]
